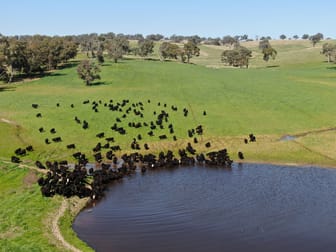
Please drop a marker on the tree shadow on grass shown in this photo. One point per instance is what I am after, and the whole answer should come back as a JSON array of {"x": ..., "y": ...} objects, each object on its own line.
[
  {"x": 98, "y": 83},
  {"x": 151, "y": 59},
  {"x": 7, "y": 88},
  {"x": 70, "y": 64},
  {"x": 272, "y": 66},
  {"x": 331, "y": 68}
]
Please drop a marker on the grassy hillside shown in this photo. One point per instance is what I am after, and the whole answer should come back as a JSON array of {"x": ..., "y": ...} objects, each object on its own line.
[
  {"x": 290, "y": 98},
  {"x": 292, "y": 95},
  {"x": 26, "y": 216}
]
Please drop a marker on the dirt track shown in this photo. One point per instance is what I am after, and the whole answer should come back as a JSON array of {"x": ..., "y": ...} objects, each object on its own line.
[{"x": 55, "y": 228}]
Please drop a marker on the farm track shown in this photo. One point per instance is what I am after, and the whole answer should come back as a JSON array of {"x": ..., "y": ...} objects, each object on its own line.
[
  {"x": 54, "y": 227},
  {"x": 56, "y": 230}
]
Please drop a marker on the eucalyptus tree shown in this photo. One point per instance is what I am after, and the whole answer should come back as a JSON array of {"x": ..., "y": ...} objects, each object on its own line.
[
  {"x": 88, "y": 71},
  {"x": 329, "y": 50},
  {"x": 267, "y": 50},
  {"x": 190, "y": 49},
  {"x": 145, "y": 47},
  {"x": 117, "y": 47},
  {"x": 237, "y": 57}
]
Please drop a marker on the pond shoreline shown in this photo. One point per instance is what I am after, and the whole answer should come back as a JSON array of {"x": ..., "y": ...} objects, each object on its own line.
[{"x": 279, "y": 190}]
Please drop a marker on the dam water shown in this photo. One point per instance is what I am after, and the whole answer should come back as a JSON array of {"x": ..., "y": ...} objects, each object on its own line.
[{"x": 250, "y": 207}]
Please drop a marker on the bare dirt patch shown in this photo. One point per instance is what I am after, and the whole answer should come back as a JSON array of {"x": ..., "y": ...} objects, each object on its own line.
[
  {"x": 30, "y": 179},
  {"x": 12, "y": 233},
  {"x": 8, "y": 121}
]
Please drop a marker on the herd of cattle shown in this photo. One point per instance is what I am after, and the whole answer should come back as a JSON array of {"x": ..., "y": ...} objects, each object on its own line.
[{"x": 68, "y": 179}]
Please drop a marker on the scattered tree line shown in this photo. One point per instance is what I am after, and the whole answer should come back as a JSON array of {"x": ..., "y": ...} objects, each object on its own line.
[
  {"x": 329, "y": 50},
  {"x": 169, "y": 50},
  {"x": 33, "y": 54},
  {"x": 28, "y": 55}
]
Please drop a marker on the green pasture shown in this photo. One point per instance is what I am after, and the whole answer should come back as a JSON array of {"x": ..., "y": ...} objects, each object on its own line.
[
  {"x": 269, "y": 99},
  {"x": 292, "y": 95},
  {"x": 23, "y": 212}
]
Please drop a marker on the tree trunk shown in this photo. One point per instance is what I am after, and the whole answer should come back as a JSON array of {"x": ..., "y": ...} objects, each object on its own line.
[{"x": 11, "y": 73}]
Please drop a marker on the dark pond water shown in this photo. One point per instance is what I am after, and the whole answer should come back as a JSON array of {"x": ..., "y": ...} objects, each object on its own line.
[{"x": 248, "y": 208}]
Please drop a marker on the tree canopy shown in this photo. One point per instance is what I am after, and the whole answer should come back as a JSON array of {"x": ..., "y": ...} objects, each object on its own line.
[
  {"x": 117, "y": 47},
  {"x": 329, "y": 50},
  {"x": 145, "y": 47},
  {"x": 267, "y": 50},
  {"x": 169, "y": 51},
  {"x": 316, "y": 38},
  {"x": 88, "y": 71},
  {"x": 191, "y": 49},
  {"x": 33, "y": 54},
  {"x": 237, "y": 57}
]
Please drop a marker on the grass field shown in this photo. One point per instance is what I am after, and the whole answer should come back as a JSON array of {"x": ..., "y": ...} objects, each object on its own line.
[
  {"x": 292, "y": 95},
  {"x": 267, "y": 101}
]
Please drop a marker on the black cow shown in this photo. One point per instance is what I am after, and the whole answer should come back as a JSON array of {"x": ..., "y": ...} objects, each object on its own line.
[
  {"x": 29, "y": 148},
  {"x": 15, "y": 159},
  {"x": 35, "y": 106},
  {"x": 100, "y": 135},
  {"x": 57, "y": 139},
  {"x": 162, "y": 137},
  {"x": 71, "y": 146}
]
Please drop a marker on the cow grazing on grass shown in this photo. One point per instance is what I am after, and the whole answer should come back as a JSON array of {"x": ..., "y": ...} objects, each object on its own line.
[
  {"x": 47, "y": 141},
  {"x": 98, "y": 157},
  {"x": 85, "y": 125},
  {"x": 15, "y": 159},
  {"x": 199, "y": 130},
  {"x": 77, "y": 120},
  {"x": 71, "y": 146},
  {"x": 38, "y": 115},
  {"x": 53, "y": 131},
  {"x": 35, "y": 106},
  {"x": 20, "y": 152},
  {"x": 146, "y": 146},
  {"x": 39, "y": 165},
  {"x": 240, "y": 155},
  {"x": 252, "y": 138},
  {"x": 29, "y": 148},
  {"x": 41, "y": 129},
  {"x": 97, "y": 148},
  {"x": 110, "y": 139},
  {"x": 208, "y": 145},
  {"x": 109, "y": 155},
  {"x": 162, "y": 137},
  {"x": 57, "y": 139},
  {"x": 100, "y": 135}
]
